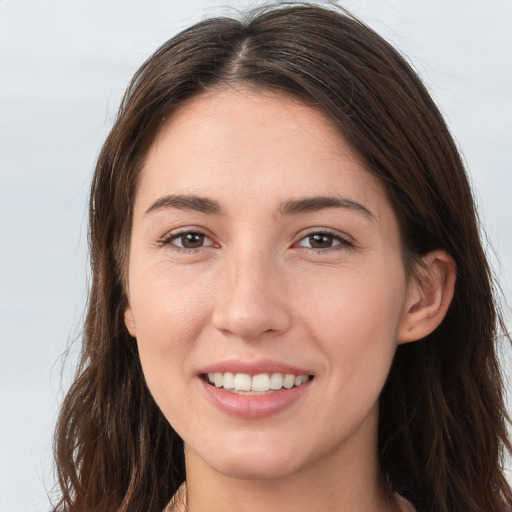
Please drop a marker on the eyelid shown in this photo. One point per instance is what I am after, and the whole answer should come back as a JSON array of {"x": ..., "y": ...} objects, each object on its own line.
[
  {"x": 169, "y": 237},
  {"x": 345, "y": 241}
]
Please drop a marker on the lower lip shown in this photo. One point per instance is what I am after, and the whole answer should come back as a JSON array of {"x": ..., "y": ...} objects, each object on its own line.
[{"x": 254, "y": 406}]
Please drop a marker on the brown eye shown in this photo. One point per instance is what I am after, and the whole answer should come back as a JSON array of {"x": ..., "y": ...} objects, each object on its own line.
[
  {"x": 192, "y": 240},
  {"x": 189, "y": 240},
  {"x": 324, "y": 240},
  {"x": 320, "y": 241}
]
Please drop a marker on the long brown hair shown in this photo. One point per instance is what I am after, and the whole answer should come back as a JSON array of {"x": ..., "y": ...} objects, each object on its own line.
[{"x": 442, "y": 431}]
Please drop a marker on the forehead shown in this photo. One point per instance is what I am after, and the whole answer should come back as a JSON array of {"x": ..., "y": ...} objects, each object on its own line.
[{"x": 267, "y": 145}]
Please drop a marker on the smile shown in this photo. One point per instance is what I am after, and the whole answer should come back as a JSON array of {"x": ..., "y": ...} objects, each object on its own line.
[{"x": 243, "y": 383}]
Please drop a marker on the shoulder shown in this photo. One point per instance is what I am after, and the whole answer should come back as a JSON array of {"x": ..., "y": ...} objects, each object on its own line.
[{"x": 404, "y": 505}]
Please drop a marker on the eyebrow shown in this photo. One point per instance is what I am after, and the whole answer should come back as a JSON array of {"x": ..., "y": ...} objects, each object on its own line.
[
  {"x": 187, "y": 202},
  {"x": 295, "y": 206},
  {"x": 313, "y": 204}
]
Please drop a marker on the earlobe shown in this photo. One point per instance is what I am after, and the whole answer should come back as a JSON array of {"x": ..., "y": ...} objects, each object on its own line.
[
  {"x": 129, "y": 321},
  {"x": 429, "y": 298}
]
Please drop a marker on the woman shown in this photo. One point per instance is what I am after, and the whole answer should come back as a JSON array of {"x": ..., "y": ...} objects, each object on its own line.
[{"x": 290, "y": 305}]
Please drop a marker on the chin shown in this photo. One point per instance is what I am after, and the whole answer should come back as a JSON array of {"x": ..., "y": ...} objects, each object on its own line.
[
  {"x": 256, "y": 462},
  {"x": 250, "y": 468}
]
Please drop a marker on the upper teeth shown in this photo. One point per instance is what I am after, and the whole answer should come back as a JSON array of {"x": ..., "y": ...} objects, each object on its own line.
[{"x": 260, "y": 382}]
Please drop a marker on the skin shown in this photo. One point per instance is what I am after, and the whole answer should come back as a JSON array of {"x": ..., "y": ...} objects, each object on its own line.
[{"x": 257, "y": 287}]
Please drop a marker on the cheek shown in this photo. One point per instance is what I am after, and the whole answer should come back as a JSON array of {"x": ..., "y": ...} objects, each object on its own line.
[
  {"x": 375, "y": 295},
  {"x": 168, "y": 325},
  {"x": 169, "y": 313},
  {"x": 355, "y": 316},
  {"x": 168, "y": 308}
]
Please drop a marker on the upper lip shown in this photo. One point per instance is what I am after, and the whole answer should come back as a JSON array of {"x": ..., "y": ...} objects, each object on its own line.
[{"x": 254, "y": 367}]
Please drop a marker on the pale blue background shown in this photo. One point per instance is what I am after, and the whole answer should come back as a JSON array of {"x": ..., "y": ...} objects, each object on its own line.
[{"x": 63, "y": 67}]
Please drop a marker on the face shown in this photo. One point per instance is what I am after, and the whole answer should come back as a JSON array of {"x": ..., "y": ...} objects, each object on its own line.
[{"x": 266, "y": 286}]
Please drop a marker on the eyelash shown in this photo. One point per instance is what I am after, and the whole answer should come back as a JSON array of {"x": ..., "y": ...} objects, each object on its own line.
[
  {"x": 343, "y": 241},
  {"x": 167, "y": 241}
]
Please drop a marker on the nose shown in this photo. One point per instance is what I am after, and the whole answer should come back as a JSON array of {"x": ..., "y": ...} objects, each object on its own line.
[{"x": 251, "y": 300}]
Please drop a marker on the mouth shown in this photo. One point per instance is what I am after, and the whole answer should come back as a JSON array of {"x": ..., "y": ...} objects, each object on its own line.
[{"x": 260, "y": 384}]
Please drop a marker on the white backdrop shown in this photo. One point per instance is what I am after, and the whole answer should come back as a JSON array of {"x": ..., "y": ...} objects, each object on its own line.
[{"x": 63, "y": 67}]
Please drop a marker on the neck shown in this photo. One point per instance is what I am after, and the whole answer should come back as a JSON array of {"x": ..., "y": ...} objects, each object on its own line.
[
  {"x": 349, "y": 481},
  {"x": 278, "y": 496}
]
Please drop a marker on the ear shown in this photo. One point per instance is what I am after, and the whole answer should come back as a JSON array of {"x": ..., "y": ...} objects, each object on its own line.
[
  {"x": 129, "y": 321},
  {"x": 430, "y": 294}
]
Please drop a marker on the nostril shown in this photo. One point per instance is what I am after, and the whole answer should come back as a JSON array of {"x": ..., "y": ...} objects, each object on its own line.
[
  {"x": 251, "y": 323},
  {"x": 250, "y": 303}
]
